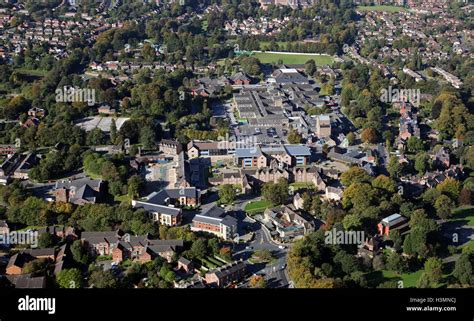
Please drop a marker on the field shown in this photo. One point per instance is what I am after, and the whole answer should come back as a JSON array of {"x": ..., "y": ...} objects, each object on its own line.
[
  {"x": 281, "y": 44},
  {"x": 302, "y": 185},
  {"x": 296, "y": 59},
  {"x": 465, "y": 213},
  {"x": 381, "y": 8},
  {"x": 409, "y": 279},
  {"x": 258, "y": 206},
  {"x": 31, "y": 72}
]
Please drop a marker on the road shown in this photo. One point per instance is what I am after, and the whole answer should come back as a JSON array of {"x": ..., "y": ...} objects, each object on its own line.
[{"x": 275, "y": 272}]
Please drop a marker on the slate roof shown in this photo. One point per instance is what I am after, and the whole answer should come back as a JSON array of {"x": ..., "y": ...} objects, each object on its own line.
[{"x": 27, "y": 282}]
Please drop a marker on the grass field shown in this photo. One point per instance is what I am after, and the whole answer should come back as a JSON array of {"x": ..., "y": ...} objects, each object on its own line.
[
  {"x": 258, "y": 206},
  {"x": 464, "y": 213},
  {"x": 302, "y": 185},
  {"x": 281, "y": 44},
  {"x": 409, "y": 279},
  {"x": 381, "y": 8},
  {"x": 123, "y": 198},
  {"x": 266, "y": 58},
  {"x": 32, "y": 72}
]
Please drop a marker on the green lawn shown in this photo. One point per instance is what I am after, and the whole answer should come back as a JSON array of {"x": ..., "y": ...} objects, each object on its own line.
[
  {"x": 382, "y": 8},
  {"x": 267, "y": 58},
  {"x": 123, "y": 198},
  {"x": 463, "y": 213},
  {"x": 409, "y": 279},
  {"x": 32, "y": 72},
  {"x": 378, "y": 277},
  {"x": 302, "y": 185},
  {"x": 281, "y": 44},
  {"x": 258, "y": 206}
]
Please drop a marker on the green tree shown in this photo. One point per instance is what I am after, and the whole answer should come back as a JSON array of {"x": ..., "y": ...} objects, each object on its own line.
[
  {"x": 227, "y": 194},
  {"x": 450, "y": 187},
  {"x": 45, "y": 240},
  {"x": 294, "y": 137},
  {"x": 69, "y": 279},
  {"x": 434, "y": 269},
  {"x": 463, "y": 270},
  {"x": 310, "y": 67},
  {"x": 355, "y": 174},
  {"x": 80, "y": 253},
  {"x": 351, "y": 137},
  {"x": 276, "y": 193},
  {"x": 351, "y": 222},
  {"x": 199, "y": 249},
  {"x": 443, "y": 206},
  {"x": 103, "y": 279},
  {"x": 394, "y": 167},
  {"x": 422, "y": 163},
  {"x": 136, "y": 185},
  {"x": 414, "y": 144}
]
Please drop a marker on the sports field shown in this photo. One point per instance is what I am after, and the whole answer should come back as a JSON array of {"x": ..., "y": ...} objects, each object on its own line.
[
  {"x": 292, "y": 58},
  {"x": 381, "y": 8}
]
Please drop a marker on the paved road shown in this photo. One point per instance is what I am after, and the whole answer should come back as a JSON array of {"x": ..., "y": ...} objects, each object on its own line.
[{"x": 275, "y": 272}]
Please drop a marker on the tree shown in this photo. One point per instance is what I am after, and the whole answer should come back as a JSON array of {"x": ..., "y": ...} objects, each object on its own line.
[
  {"x": 443, "y": 206},
  {"x": 414, "y": 144},
  {"x": 395, "y": 262},
  {"x": 103, "y": 279},
  {"x": 294, "y": 137},
  {"x": 351, "y": 222},
  {"x": 463, "y": 270},
  {"x": 36, "y": 267},
  {"x": 434, "y": 269},
  {"x": 394, "y": 167},
  {"x": 69, "y": 279},
  {"x": 113, "y": 131},
  {"x": 465, "y": 197},
  {"x": 397, "y": 239},
  {"x": 257, "y": 281},
  {"x": 385, "y": 183},
  {"x": 227, "y": 194},
  {"x": 136, "y": 185},
  {"x": 423, "y": 282},
  {"x": 351, "y": 138},
  {"x": 199, "y": 249},
  {"x": 422, "y": 163},
  {"x": 147, "y": 137},
  {"x": 263, "y": 254},
  {"x": 310, "y": 67},
  {"x": 80, "y": 253},
  {"x": 276, "y": 193},
  {"x": 369, "y": 135},
  {"x": 355, "y": 174},
  {"x": 45, "y": 240},
  {"x": 450, "y": 187}
]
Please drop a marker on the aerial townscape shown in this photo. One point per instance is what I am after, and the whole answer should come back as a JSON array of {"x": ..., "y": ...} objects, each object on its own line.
[{"x": 178, "y": 144}]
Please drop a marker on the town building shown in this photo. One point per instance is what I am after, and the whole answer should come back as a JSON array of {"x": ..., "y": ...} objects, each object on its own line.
[
  {"x": 391, "y": 223},
  {"x": 165, "y": 206},
  {"x": 215, "y": 221},
  {"x": 80, "y": 191},
  {"x": 226, "y": 274}
]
